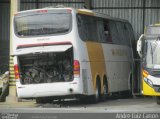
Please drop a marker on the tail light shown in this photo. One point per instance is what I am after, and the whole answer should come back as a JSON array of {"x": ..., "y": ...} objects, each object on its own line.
[
  {"x": 16, "y": 71},
  {"x": 76, "y": 68}
]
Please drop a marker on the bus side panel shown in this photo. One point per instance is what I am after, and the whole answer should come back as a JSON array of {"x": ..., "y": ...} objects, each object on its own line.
[{"x": 117, "y": 61}]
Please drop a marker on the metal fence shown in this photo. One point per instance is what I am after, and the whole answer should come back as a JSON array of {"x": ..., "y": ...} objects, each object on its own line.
[
  {"x": 32, "y": 4},
  {"x": 138, "y": 12}
]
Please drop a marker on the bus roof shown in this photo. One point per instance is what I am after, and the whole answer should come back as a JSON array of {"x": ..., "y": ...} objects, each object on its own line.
[
  {"x": 93, "y": 13},
  {"x": 80, "y": 11}
]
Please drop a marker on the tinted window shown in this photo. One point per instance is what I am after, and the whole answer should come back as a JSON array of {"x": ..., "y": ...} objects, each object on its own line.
[
  {"x": 114, "y": 32},
  {"x": 130, "y": 30},
  {"x": 107, "y": 33},
  {"x": 124, "y": 34},
  {"x": 90, "y": 28},
  {"x": 104, "y": 30},
  {"x": 42, "y": 24},
  {"x": 121, "y": 34}
]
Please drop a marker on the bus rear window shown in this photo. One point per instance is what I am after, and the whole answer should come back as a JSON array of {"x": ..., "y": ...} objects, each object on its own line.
[{"x": 42, "y": 24}]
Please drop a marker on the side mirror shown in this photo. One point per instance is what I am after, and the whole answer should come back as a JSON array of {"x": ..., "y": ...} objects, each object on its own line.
[{"x": 139, "y": 45}]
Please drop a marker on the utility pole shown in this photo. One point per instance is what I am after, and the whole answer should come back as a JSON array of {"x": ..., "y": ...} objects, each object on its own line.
[{"x": 14, "y": 7}]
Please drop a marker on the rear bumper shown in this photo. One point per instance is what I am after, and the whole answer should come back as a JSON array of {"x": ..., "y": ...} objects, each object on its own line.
[{"x": 48, "y": 89}]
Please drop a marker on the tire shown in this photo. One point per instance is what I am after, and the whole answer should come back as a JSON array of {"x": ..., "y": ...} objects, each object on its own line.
[
  {"x": 158, "y": 100},
  {"x": 105, "y": 91},
  {"x": 97, "y": 95}
]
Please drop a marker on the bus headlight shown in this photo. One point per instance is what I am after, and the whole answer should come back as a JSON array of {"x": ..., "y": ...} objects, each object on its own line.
[
  {"x": 149, "y": 82},
  {"x": 145, "y": 79}
]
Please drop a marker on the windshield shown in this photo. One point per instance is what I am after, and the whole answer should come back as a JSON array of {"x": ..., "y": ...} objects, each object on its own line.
[
  {"x": 42, "y": 24},
  {"x": 153, "y": 30},
  {"x": 152, "y": 53}
]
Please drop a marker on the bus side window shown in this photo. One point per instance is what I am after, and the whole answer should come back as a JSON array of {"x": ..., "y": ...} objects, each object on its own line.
[
  {"x": 92, "y": 29},
  {"x": 127, "y": 35},
  {"x": 114, "y": 32},
  {"x": 130, "y": 30},
  {"x": 82, "y": 27},
  {"x": 124, "y": 38},
  {"x": 89, "y": 28},
  {"x": 107, "y": 34}
]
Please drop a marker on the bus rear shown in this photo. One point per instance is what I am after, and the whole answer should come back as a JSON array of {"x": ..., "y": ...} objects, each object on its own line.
[{"x": 44, "y": 60}]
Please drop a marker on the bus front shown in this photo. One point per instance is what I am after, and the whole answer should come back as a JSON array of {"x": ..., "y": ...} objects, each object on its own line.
[
  {"x": 151, "y": 62},
  {"x": 43, "y": 54}
]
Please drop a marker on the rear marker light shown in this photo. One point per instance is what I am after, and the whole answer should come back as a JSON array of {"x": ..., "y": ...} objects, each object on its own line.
[
  {"x": 76, "y": 69},
  {"x": 16, "y": 71}
]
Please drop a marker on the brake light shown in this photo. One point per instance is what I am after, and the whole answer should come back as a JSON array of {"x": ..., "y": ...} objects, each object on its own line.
[
  {"x": 76, "y": 68},
  {"x": 16, "y": 71}
]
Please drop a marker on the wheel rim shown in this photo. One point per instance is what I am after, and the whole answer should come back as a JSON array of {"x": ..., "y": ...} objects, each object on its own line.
[
  {"x": 104, "y": 89},
  {"x": 97, "y": 93}
]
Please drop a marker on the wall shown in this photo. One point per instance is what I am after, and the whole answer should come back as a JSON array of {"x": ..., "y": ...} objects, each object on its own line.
[
  {"x": 32, "y": 4},
  {"x": 139, "y": 12},
  {"x": 4, "y": 34}
]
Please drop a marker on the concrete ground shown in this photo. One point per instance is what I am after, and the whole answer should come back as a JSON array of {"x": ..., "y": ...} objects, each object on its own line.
[{"x": 136, "y": 105}]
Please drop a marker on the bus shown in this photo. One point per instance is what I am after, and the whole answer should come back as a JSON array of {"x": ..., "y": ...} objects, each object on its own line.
[
  {"x": 66, "y": 53},
  {"x": 148, "y": 47}
]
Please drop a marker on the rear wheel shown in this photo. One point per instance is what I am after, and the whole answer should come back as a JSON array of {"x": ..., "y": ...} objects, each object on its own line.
[
  {"x": 105, "y": 91},
  {"x": 96, "y": 97},
  {"x": 158, "y": 100}
]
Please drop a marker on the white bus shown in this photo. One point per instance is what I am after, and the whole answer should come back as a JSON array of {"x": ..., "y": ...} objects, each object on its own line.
[{"x": 63, "y": 52}]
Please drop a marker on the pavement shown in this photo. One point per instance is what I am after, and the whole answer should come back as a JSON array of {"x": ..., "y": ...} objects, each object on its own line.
[
  {"x": 142, "y": 104},
  {"x": 132, "y": 108},
  {"x": 23, "y": 104}
]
